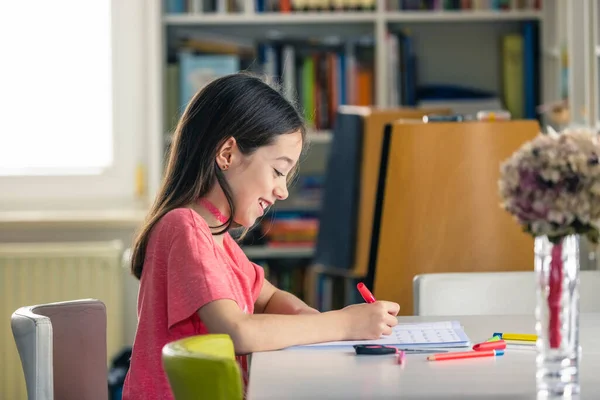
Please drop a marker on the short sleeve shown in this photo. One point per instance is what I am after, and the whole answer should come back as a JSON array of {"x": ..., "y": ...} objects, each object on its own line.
[
  {"x": 254, "y": 272},
  {"x": 258, "y": 281},
  {"x": 195, "y": 276}
]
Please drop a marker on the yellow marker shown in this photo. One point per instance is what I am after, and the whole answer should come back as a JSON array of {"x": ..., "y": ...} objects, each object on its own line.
[
  {"x": 493, "y": 339},
  {"x": 524, "y": 337}
]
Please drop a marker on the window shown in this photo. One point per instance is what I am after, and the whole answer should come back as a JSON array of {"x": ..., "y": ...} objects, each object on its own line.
[
  {"x": 57, "y": 87},
  {"x": 71, "y": 92}
]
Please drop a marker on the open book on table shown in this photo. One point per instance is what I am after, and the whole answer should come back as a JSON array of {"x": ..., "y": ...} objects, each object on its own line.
[{"x": 407, "y": 335}]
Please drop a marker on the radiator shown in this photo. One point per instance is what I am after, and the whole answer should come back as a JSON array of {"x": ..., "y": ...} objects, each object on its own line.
[{"x": 37, "y": 273}]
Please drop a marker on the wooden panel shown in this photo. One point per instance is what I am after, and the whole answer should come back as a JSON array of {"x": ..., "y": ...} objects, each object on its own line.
[
  {"x": 375, "y": 121},
  {"x": 441, "y": 210}
]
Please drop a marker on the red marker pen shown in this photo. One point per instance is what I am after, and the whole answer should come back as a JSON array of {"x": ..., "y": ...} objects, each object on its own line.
[
  {"x": 365, "y": 293},
  {"x": 401, "y": 357},
  {"x": 497, "y": 345}
]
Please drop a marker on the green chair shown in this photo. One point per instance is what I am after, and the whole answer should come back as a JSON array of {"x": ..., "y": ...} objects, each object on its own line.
[{"x": 203, "y": 367}]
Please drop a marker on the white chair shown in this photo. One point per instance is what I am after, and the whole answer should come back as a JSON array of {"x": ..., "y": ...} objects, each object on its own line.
[
  {"x": 63, "y": 349},
  {"x": 490, "y": 293}
]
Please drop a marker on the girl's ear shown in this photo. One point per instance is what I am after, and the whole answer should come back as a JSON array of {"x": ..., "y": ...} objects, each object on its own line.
[{"x": 225, "y": 153}]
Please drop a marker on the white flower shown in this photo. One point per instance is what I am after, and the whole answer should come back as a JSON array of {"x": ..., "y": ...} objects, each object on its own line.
[
  {"x": 557, "y": 217},
  {"x": 550, "y": 175}
]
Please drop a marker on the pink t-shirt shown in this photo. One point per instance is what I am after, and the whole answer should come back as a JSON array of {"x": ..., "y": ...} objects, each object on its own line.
[{"x": 183, "y": 270}]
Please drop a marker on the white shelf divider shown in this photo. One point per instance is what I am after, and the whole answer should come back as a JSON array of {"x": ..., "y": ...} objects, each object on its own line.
[
  {"x": 462, "y": 16},
  {"x": 553, "y": 37},
  {"x": 579, "y": 38},
  {"x": 320, "y": 137},
  {"x": 595, "y": 61},
  {"x": 308, "y": 18},
  {"x": 278, "y": 252},
  {"x": 340, "y": 18}
]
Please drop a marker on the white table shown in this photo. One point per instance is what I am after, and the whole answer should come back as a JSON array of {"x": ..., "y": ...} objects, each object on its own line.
[{"x": 340, "y": 374}]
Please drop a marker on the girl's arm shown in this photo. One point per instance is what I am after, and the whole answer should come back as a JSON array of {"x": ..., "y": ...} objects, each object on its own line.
[
  {"x": 275, "y": 301},
  {"x": 263, "y": 332}
]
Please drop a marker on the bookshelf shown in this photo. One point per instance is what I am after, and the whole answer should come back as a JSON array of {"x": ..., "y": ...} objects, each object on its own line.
[
  {"x": 377, "y": 24},
  {"x": 248, "y": 26},
  {"x": 453, "y": 46}
]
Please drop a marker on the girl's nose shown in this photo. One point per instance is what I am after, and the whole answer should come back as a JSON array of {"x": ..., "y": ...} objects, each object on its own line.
[{"x": 281, "y": 192}]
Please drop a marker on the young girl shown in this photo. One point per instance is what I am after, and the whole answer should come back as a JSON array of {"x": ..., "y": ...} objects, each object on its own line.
[{"x": 236, "y": 146}]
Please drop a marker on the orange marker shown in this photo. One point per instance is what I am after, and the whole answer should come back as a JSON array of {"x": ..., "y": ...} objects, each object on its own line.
[{"x": 465, "y": 354}]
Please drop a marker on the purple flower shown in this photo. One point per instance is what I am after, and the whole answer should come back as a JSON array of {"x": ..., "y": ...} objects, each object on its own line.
[
  {"x": 528, "y": 180},
  {"x": 527, "y": 210}
]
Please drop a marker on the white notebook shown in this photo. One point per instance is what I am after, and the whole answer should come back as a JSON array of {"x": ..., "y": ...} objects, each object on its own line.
[{"x": 435, "y": 334}]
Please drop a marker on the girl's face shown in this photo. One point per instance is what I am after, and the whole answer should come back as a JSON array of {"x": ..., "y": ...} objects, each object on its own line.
[{"x": 257, "y": 181}]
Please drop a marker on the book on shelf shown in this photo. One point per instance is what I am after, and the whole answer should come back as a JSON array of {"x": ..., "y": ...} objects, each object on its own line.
[
  {"x": 513, "y": 74},
  {"x": 285, "y": 275},
  {"x": 318, "y": 76},
  {"x": 402, "y": 64},
  {"x": 190, "y": 73},
  {"x": 462, "y": 5},
  {"x": 520, "y": 57},
  {"x": 289, "y": 6},
  {"x": 192, "y": 63},
  {"x": 197, "y": 70},
  {"x": 336, "y": 292},
  {"x": 296, "y": 231},
  {"x": 518, "y": 81},
  {"x": 205, "y": 6},
  {"x": 321, "y": 76},
  {"x": 264, "y": 6}
]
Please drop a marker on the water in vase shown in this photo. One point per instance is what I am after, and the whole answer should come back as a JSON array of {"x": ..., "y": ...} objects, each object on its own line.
[{"x": 557, "y": 317}]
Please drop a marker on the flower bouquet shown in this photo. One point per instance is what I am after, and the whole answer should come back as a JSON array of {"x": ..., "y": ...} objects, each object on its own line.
[{"x": 551, "y": 186}]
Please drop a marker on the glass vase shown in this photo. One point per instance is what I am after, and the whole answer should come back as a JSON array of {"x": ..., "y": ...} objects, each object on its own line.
[{"x": 557, "y": 316}]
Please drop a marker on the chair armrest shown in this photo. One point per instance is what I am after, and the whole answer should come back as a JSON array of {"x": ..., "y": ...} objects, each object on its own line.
[{"x": 33, "y": 337}]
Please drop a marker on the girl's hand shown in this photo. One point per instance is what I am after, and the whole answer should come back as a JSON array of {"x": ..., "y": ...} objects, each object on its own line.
[
  {"x": 369, "y": 321},
  {"x": 309, "y": 310}
]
